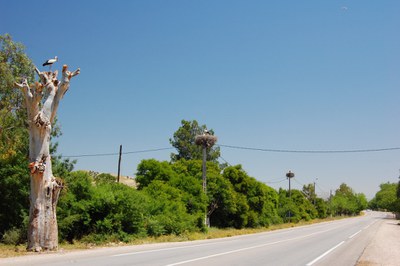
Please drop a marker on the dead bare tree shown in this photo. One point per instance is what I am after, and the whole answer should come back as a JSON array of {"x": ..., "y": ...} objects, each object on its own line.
[{"x": 42, "y": 100}]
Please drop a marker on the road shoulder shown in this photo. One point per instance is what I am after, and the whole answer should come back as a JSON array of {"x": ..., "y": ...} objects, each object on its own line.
[{"x": 384, "y": 248}]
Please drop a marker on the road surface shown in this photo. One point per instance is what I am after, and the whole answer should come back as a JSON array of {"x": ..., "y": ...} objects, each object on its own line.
[{"x": 339, "y": 242}]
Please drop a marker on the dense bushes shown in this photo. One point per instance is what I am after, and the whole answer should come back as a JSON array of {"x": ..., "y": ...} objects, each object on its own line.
[
  {"x": 260, "y": 200},
  {"x": 14, "y": 196},
  {"x": 94, "y": 209},
  {"x": 109, "y": 208},
  {"x": 296, "y": 207},
  {"x": 169, "y": 200},
  {"x": 387, "y": 198},
  {"x": 346, "y": 202}
]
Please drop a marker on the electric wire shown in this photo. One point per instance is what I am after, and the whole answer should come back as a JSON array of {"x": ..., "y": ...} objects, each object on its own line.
[
  {"x": 308, "y": 151},
  {"x": 278, "y": 179},
  {"x": 225, "y": 160},
  {"x": 295, "y": 180},
  {"x": 115, "y": 153},
  {"x": 318, "y": 186},
  {"x": 241, "y": 148},
  {"x": 274, "y": 182}
]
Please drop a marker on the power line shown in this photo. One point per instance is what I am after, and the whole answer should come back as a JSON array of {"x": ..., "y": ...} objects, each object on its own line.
[
  {"x": 151, "y": 150},
  {"x": 241, "y": 148},
  {"x": 321, "y": 188},
  {"x": 115, "y": 153},
  {"x": 309, "y": 151},
  {"x": 89, "y": 155},
  {"x": 225, "y": 160},
  {"x": 278, "y": 179},
  {"x": 274, "y": 182},
  {"x": 298, "y": 182}
]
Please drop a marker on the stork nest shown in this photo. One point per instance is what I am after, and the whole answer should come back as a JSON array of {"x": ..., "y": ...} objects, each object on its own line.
[{"x": 205, "y": 140}]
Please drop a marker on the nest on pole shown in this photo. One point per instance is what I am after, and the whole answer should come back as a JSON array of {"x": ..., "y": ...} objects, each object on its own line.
[{"x": 205, "y": 140}]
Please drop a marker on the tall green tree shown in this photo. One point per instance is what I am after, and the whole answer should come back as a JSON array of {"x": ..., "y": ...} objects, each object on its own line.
[
  {"x": 174, "y": 186},
  {"x": 347, "y": 202},
  {"x": 184, "y": 142},
  {"x": 14, "y": 174},
  {"x": 14, "y": 65},
  {"x": 14, "y": 194},
  {"x": 262, "y": 200},
  {"x": 296, "y": 207},
  {"x": 385, "y": 198},
  {"x": 398, "y": 198}
]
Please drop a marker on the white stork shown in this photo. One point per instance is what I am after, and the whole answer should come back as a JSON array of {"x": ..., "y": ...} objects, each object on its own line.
[{"x": 50, "y": 62}]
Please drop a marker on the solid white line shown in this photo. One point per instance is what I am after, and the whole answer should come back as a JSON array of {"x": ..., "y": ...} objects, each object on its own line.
[
  {"x": 243, "y": 249},
  {"x": 323, "y": 255},
  {"x": 370, "y": 224},
  {"x": 161, "y": 249},
  {"x": 353, "y": 235},
  {"x": 223, "y": 253}
]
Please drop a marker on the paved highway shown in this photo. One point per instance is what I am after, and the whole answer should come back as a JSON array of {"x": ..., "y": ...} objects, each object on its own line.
[{"x": 330, "y": 243}]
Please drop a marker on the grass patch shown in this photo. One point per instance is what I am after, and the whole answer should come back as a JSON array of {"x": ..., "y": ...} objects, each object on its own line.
[{"x": 12, "y": 250}]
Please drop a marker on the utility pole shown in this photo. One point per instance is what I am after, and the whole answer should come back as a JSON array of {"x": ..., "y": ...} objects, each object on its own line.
[
  {"x": 315, "y": 195},
  {"x": 206, "y": 140},
  {"x": 315, "y": 191},
  {"x": 119, "y": 162},
  {"x": 330, "y": 201},
  {"x": 290, "y": 175},
  {"x": 204, "y": 168}
]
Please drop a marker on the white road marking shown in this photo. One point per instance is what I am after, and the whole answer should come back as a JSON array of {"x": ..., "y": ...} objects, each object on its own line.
[
  {"x": 161, "y": 249},
  {"x": 243, "y": 249},
  {"x": 370, "y": 224},
  {"x": 323, "y": 255},
  {"x": 353, "y": 235}
]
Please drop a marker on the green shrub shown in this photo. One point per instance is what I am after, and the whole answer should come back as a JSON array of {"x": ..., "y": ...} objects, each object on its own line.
[{"x": 13, "y": 236}]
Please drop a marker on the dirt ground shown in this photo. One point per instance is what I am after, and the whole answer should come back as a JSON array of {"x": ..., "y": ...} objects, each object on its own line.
[{"x": 384, "y": 249}]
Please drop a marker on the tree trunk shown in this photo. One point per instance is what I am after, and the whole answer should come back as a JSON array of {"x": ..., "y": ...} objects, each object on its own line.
[{"x": 42, "y": 103}]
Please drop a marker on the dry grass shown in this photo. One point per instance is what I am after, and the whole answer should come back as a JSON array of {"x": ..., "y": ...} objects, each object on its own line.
[
  {"x": 128, "y": 181},
  {"x": 12, "y": 251}
]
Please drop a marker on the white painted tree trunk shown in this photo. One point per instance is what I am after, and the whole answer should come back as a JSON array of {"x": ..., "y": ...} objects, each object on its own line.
[{"x": 42, "y": 101}]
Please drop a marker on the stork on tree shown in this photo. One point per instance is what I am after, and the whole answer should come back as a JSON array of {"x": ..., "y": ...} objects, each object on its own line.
[
  {"x": 50, "y": 62},
  {"x": 42, "y": 99}
]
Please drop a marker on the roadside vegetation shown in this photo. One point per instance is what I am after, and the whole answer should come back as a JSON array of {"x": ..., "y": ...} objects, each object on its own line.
[
  {"x": 168, "y": 202},
  {"x": 387, "y": 198},
  {"x": 212, "y": 233}
]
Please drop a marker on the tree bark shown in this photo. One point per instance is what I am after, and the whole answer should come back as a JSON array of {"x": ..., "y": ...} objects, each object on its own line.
[{"x": 42, "y": 100}]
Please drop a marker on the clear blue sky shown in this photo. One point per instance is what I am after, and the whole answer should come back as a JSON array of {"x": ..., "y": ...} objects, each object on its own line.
[{"x": 297, "y": 75}]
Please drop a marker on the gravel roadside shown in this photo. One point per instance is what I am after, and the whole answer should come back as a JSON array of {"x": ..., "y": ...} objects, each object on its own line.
[{"x": 384, "y": 249}]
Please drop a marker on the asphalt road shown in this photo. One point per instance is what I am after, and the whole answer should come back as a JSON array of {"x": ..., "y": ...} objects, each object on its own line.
[{"x": 331, "y": 243}]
